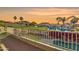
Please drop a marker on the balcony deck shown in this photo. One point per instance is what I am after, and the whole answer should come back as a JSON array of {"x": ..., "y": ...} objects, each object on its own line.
[{"x": 14, "y": 44}]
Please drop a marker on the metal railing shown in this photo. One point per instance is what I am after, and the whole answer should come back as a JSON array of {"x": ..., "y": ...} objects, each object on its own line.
[{"x": 64, "y": 40}]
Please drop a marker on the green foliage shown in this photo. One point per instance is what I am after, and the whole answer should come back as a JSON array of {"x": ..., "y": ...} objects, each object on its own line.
[
  {"x": 33, "y": 23},
  {"x": 15, "y": 17},
  {"x": 21, "y": 18},
  {"x": 2, "y": 23},
  {"x": 61, "y": 19},
  {"x": 30, "y": 27}
]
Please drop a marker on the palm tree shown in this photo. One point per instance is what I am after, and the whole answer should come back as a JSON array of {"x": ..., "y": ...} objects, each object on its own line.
[
  {"x": 58, "y": 19},
  {"x": 14, "y": 18},
  {"x": 74, "y": 21},
  {"x": 63, "y": 20},
  {"x": 14, "y": 22},
  {"x": 21, "y": 19}
]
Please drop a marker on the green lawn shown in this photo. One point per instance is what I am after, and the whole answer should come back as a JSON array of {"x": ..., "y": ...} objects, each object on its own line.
[
  {"x": 30, "y": 27},
  {"x": 3, "y": 35}
]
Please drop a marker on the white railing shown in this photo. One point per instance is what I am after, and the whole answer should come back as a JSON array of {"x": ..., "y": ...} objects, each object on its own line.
[{"x": 64, "y": 40}]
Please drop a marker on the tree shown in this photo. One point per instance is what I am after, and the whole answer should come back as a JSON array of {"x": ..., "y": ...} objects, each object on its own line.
[
  {"x": 63, "y": 20},
  {"x": 59, "y": 19},
  {"x": 14, "y": 18},
  {"x": 74, "y": 21},
  {"x": 33, "y": 23},
  {"x": 21, "y": 18}
]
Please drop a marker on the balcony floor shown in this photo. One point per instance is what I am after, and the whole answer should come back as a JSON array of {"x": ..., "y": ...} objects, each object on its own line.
[{"x": 14, "y": 44}]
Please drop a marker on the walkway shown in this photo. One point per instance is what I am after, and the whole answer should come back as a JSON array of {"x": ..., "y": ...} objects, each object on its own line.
[{"x": 14, "y": 44}]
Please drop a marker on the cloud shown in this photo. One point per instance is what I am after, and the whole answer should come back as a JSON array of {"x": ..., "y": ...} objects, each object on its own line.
[
  {"x": 53, "y": 11},
  {"x": 37, "y": 14}
]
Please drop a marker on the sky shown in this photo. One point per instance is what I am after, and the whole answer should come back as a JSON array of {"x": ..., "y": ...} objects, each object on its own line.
[{"x": 37, "y": 14}]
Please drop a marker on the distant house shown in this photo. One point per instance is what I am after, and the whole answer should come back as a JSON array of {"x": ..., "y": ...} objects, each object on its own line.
[
  {"x": 23, "y": 23},
  {"x": 44, "y": 24},
  {"x": 59, "y": 27}
]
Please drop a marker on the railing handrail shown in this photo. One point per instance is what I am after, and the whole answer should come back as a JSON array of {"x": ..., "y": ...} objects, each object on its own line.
[{"x": 53, "y": 36}]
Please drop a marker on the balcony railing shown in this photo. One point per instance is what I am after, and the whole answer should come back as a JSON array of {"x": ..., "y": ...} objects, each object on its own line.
[{"x": 59, "y": 39}]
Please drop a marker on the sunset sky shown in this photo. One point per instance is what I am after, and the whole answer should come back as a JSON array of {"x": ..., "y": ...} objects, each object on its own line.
[{"x": 37, "y": 14}]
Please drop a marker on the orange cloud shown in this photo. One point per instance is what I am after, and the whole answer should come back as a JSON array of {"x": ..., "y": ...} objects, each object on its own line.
[{"x": 37, "y": 14}]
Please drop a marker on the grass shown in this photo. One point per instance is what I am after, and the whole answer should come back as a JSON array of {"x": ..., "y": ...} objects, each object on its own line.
[
  {"x": 30, "y": 27},
  {"x": 3, "y": 35}
]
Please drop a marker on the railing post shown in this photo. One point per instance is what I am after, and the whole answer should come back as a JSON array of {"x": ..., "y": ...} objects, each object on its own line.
[
  {"x": 58, "y": 38},
  {"x": 45, "y": 36},
  {"x": 76, "y": 41},
  {"x": 39, "y": 34},
  {"x": 28, "y": 32},
  {"x": 72, "y": 41},
  {"x": 50, "y": 35},
  {"x": 51, "y": 38},
  {"x": 68, "y": 41},
  {"x": 55, "y": 36},
  {"x": 61, "y": 38},
  {"x": 64, "y": 39}
]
